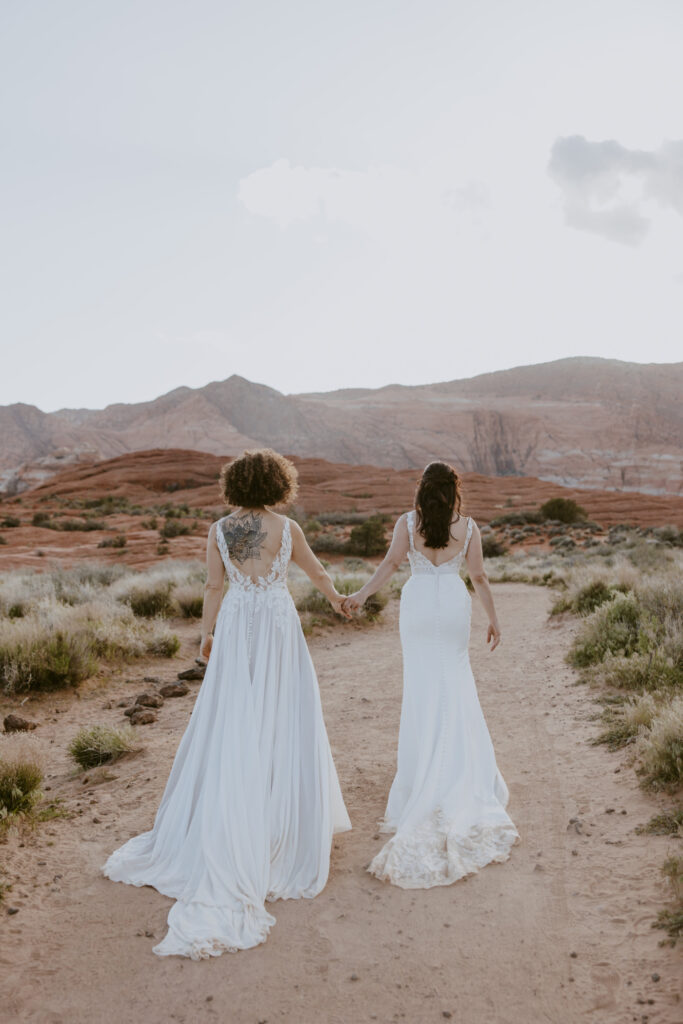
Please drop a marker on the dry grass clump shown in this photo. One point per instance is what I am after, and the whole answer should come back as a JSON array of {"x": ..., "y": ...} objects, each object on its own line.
[
  {"x": 660, "y": 747},
  {"x": 669, "y": 823},
  {"x": 20, "y": 777},
  {"x": 671, "y": 919},
  {"x": 58, "y": 646},
  {"x": 188, "y": 598},
  {"x": 625, "y": 722},
  {"x": 99, "y": 744}
]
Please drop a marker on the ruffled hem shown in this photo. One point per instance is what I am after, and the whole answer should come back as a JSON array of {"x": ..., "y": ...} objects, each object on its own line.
[
  {"x": 199, "y": 931},
  {"x": 435, "y": 854}
]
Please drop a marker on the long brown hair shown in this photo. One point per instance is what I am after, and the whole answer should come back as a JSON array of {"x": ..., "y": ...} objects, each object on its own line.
[{"x": 436, "y": 499}]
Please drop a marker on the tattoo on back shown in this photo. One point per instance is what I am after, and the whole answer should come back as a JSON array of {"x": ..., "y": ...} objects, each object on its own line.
[{"x": 244, "y": 537}]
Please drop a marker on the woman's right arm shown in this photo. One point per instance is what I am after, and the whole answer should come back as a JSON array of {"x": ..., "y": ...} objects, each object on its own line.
[
  {"x": 474, "y": 560},
  {"x": 314, "y": 569},
  {"x": 395, "y": 556},
  {"x": 213, "y": 591}
]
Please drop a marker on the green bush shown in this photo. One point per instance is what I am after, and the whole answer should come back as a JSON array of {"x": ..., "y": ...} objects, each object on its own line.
[
  {"x": 20, "y": 780},
  {"x": 174, "y": 528},
  {"x": 520, "y": 518},
  {"x": 564, "y": 509},
  {"x": 368, "y": 538},
  {"x": 119, "y": 541},
  {"x": 491, "y": 546},
  {"x": 40, "y": 518},
  {"x": 10, "y": 521},
  {"x": 99, "y": 744},
  {"x": 592, "y": 596},
  {"x": 613, "y": 628},
  {"x": 150, "y": 599},
  {"x": 329, "y": 544}
]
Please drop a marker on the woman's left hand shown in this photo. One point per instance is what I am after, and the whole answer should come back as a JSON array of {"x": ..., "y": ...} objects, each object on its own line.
[
  {"x": 339, "y": 605},
  {"x": 205, "y": 646},
  {"x": 354, "y": 602}
]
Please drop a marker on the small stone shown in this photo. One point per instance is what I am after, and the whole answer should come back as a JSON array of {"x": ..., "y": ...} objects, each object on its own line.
[
  {"x": 131, "y": 710},
  {"x": 97, "y": 821},
  {"x": 149, "y": 700},
  {"x": 209, "y": 999},
  {"x": 15, "y": 723},
  {"x": 655, "y": 976},
  {"x": 13, "y": 910},
  {"x": 149, "y": 935},
  {"x": 609, "y": 810},
  {"x": 354, "y": 976},
  {"x": 447, "y": 1014},
  {"x": 42, "y": 863},
  {"x": 574, "y": 955},
  {"x": 174, "y": 690},
  {"x": 151, "y": 679},
  {"x": 624, "y": 811},
  {"x": 575, "y": 853},
  {"x": 143, "y": 716},
  {"x": 192, "y": 673},
  {"x": 123, "y": 703}
]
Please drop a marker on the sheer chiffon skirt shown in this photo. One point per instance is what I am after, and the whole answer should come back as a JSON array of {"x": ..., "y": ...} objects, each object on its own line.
[
  {"x": 252, "y": 799},
  {"x": 448, "y": 798}
]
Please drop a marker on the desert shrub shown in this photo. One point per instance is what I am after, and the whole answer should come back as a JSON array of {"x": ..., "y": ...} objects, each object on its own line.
[
  {"x": 174, "y": 528},
  {"x": 368, "y": 538},
  {"x": 3, "y": 540},
  {"x": 564, "y": 509},
  {"x": 119, "y": 541},
  {"x": 519, "y": 518},
  {"x": 98, "y": 744},
  {"x": 20, "y": 779},
  {"x": 661, "y": 746},
  {"x": 58, "y": 646},
  {"x": 312, "y": 526},
  {"x": 613, "y": 628},
  {"x": 671, "y": 919},
  {"x": 669, "y": 535},
  {"x": 625, "y": 722},
  {"x": 329, "y": 544},
  {"x": 591, "y": 597},
  {"x": 10, "y": 521},
  {"x": 492, "y": 547},
  {"x": 189, "y": 599},
  {"x": 150, "y": 524},
  {"x": 40, "y": 518},
  {"x": 342, "y": 518},
  {"x": 72, "y": 524},
  {"x": 668, "y": 823},
  {"x": 150, "y": 598}
]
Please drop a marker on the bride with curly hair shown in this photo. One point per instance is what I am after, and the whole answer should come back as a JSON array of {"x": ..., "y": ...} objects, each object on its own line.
[{"x": 252, "y": 799}]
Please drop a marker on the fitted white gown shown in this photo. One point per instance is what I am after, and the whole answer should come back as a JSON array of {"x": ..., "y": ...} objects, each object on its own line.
[
  {"x": 447, "y": 802},
  {"x": 252, "y": 799}
]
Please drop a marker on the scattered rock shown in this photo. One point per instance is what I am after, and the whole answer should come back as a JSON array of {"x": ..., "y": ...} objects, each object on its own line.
[
  {"x": 132, "y": 709},
  {"x": 123, "y": 703},
  {"x": 609, "y": 810},
  {"x": 655, "y": 977},
  {"x": 447, "y": 1014},
  {"x": 15, "y": 723},
  {"x": 149, "y": 700},
  {"x": 152, "y": 679},
  {"x": 354, "y": 976},
  {"x": 107, "y": 705},
  {"x": 13, "y": 910},
  {"x": 192, "y": 673},
  {"x": 174, "y": 689},
  {"x": 142, "y": 716},
  {"x": 149, "y": 935},
  {"x": 573, "y": 955},
  {"x": 97, "y": 821}
]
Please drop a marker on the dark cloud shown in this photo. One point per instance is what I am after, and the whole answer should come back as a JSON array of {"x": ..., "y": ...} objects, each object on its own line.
[{"x": 607, "y": 187}]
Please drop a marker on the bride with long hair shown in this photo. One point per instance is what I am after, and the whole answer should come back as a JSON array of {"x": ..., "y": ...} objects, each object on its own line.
[
  {"x": 446, "y": 807},
  {"x": 252, "y": 799}
]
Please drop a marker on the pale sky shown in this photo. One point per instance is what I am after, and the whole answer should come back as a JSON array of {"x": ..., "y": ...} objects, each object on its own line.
[{"x": 319, "y": 194}]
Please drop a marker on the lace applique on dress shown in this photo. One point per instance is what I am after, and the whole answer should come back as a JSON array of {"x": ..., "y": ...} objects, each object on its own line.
[{"x": 419, "y": 563}]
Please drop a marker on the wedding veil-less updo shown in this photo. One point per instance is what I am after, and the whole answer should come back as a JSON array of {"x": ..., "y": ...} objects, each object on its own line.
[{"x": 436, "y": 499}]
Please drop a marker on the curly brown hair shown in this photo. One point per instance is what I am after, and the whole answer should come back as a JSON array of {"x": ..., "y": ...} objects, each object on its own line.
[
  {"x": 259, "y": 477},
  {"x": 436, "y": 499}
]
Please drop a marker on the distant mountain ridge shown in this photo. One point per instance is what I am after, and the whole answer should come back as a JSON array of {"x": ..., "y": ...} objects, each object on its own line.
[{"x": 580, "y": 422}]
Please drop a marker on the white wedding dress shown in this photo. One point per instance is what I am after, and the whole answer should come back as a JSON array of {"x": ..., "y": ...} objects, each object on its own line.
[
  {"x": 252, "y": 799},
  {"x": 447, "y": 802}
]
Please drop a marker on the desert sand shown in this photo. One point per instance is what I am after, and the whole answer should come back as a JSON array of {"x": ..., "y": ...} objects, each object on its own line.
[{"x": 561, "y": 932}]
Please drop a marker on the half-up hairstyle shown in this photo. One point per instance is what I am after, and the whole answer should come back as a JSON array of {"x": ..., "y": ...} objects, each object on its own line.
[{"x": 436, "y": 499}]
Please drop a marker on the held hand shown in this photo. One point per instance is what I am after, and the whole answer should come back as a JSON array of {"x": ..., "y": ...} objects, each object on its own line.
[
  {"x": 354, "y": 602},
  {"x": 205, "y": 646},
  {"x": 339, "y": 605},
  {"x": 493, "y": 636}
]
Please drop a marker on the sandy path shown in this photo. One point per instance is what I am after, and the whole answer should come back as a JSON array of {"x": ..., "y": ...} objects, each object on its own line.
[{"x": 493, "y": 949}]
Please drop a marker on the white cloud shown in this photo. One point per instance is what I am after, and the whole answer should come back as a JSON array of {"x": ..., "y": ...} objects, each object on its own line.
[
  {"x": 611, "y": 190},
  {"x": 383, "y": 201}
]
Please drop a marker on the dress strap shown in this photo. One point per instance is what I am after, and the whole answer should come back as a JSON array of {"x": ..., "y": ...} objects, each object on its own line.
[
  {"x": 467, "y": 535},
  {"x": 410, "y": 520}
]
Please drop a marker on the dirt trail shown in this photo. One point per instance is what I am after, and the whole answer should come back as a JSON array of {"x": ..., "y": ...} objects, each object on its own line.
[{"x": 496, "y": 948}]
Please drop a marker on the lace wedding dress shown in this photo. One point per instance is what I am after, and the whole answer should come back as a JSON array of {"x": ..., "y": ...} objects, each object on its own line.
[
  {"x": 252, "y": 799},
  {"x": 447, "y": 801}
]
